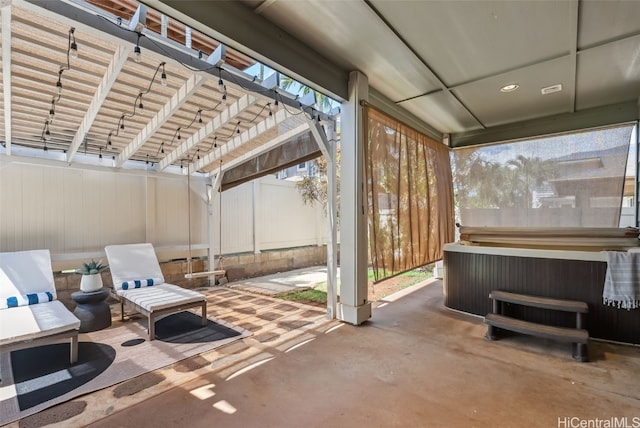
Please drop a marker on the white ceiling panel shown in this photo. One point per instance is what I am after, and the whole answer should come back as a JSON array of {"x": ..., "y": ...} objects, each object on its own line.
[
  {"x": 609, "y": 74},
  {"x": 443, "y": 111},
  {"x": 602, "y": 21},
  {"x": 493, "y": 107},
  {"x": 467, "y": 40}
]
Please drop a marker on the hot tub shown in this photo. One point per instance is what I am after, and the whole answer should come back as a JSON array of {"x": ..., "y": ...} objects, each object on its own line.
[{"x": 472, "y": 271}]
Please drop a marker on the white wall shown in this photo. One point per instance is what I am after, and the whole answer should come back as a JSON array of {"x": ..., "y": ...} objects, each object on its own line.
[{"x": 75, "y": 212}]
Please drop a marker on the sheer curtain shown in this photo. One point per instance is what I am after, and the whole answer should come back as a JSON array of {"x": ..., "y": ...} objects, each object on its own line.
[
  {"x": 410, "y": 195},
  {"x": 571, "y": 180}
]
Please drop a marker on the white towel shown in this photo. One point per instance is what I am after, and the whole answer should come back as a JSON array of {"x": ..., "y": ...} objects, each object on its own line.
[{"x": 622, "y": 280}]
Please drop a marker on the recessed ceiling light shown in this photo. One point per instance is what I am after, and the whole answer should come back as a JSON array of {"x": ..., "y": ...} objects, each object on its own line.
[{"x": 509, "y": 88}]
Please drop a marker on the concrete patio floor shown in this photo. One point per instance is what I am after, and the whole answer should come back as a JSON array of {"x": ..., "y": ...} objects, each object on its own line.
[{"x": 414, "y": 364}]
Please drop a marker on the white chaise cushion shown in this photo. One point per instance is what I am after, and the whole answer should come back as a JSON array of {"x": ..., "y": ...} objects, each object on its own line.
[
  {"x": 160, "y": 297},
  {"x": 35, "y": 321},
  {"x": 26, "y": 272},
  {"x": 131, "y": 262}
]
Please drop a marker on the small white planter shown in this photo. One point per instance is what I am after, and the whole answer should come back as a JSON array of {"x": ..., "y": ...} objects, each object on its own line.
[{"x": 90, "y": 283}]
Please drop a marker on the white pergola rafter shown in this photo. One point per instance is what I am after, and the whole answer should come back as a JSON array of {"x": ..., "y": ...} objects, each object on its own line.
[
  {"x": 6, "y": 70},
  {"x": 209, "y": 128},
  {"x": 113, "y": 70},
  {"x": 251, "y": 133},
  {"x": 189, "y": 88}
]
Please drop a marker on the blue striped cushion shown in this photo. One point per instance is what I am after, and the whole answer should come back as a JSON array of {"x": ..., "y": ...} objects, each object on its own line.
[
  {"x": 139, "y": 283},
  {"x": 28, "y": 299}
]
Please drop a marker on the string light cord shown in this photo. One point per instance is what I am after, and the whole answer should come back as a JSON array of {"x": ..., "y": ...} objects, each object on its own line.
[
  {"x": 136, "y": 103},
  {"x": 222, "y": 73},
  {"x": 71, "y": 45}
]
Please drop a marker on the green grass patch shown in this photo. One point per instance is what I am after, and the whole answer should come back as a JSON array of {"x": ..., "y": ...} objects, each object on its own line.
[
  {"x": 416, "y": 275},
  {"x": 313, "y": 295}
]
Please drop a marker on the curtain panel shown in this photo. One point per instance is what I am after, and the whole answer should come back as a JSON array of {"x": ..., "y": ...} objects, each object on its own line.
[{"x": 410, "y": 195}]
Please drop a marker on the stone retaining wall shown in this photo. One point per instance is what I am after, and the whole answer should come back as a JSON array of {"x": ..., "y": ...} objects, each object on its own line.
[{"x": 239, "y": 266}]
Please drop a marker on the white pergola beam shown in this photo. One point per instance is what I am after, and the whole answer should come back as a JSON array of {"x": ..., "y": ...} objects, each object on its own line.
[
  {"x": 6, "y": 71},
  {"x": 209, "y": 128},
  {"x": 113, "y": 70},
  {"x": 189, "y": 88}
]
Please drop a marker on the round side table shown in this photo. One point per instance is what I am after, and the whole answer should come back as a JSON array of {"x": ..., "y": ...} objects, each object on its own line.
[{"x": 92, "y": 309}]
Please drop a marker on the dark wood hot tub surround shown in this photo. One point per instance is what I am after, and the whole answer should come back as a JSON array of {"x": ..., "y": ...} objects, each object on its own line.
[{"x": 470, "y": 277}]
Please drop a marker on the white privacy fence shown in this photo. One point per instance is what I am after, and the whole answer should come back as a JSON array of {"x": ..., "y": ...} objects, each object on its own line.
[
  {"x": 75, "y": 212},
  {"x": 266, "y": 214}
]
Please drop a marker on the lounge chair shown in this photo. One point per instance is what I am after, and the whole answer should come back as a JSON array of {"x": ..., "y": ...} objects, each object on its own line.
[
  {"x": 30, "y": 315},
  {"x": 138, "y": 281}
]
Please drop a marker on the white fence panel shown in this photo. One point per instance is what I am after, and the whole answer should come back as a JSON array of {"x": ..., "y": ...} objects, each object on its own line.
[
  {"x": 237, "y": 229},
  {"x": 76, "y": 212},
  {"x": 284, "y": 220},
  {"x": 68, "y": 210}
]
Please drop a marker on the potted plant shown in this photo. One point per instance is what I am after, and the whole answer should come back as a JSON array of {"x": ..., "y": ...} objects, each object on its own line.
[{"x": 91, "y": 278}]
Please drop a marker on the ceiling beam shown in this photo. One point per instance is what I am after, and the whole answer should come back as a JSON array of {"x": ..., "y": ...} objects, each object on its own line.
[
  {"x": 251, "y": 133},
  {"x": 565, "y": 122},
  {"x": 192, "y": 84},
  {"x": 108, "y": 79},
  {"x": 6, "y": 72},
  {"x": 209, "y": 128},
  {"x": 262, "y": 6},
  {"x": 272, "y": 144}
]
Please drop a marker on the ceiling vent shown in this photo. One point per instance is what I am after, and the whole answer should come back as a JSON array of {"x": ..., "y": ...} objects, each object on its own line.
[{"x": 551, "y": 89}]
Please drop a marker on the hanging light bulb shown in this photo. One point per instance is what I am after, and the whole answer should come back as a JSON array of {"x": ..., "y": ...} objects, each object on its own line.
[
  {"x": 137, "y": 54},
  {"x": 199, "y": 116},
  {"x": 109, "y": 139},
  {"x": 198, "y": 154},
  {"x": 52, "y": 111},
  {"x": 221, "y": 85},
  {"x": 238, "y": 128},
  {"x": 59, "y": 84},
  {"x": 162, "y": 148},
  {"x": 178, "y": 133},
  {"x": 163, "y": 76},
  {"x": 140, "y": 106},
  {"x": 100, "y": 155},
  {"x": 121, "y": 122},
  {"x": 73, "y": 50},
  {"x": 73, "y": 47},
  {"x": 215, "y": 142},
  {"x": 224, "y": 98},
  {"x": 270, "y": 112}
]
